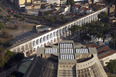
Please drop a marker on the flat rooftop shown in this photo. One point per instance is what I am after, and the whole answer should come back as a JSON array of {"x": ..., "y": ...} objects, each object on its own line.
[{"x": 66, "y": 51}]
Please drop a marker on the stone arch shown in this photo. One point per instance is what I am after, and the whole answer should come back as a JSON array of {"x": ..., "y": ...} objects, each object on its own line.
[
  {"x": 65, "y": 28},
  {"x": 40, "y": 40},
  {"x": 37, "y": 41},
  {"x": 51, "y": 41},
  {"x": 45, "y": 44},
  {"x": 72, "y": 24},
  {"x": 18, "y": 50},
  {"x": 87, "y": 19},
  {"x": 30, "y": 46},
  {"x": 14, "y": 50},
  {"x": 26, "y": 47},
  {"x": 55, "y": 40},
  {"x": 33, "y": 43},
  {"x": 48, "y": 42},
  {"x": 54, "y": 34},
  {"x": 58, "y": 38},
  {"x": 77, "y": 23},
  {"x": 60, "y": 31},
  {"x": 57, "y": 33},
  {"x": 92, "y": 17},
  {"x": 22, "y": 48},
  {"x": 48, "y": 36},
  {"x": 82, "y": 21},
  {"x": 44, "y": 39},
  {"x": 38, "y": 48},
  {"x": 51, "y": 35}
]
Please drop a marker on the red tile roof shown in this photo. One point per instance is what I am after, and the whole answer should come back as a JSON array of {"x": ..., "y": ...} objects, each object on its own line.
[
  {"x": 93, "y": 45},
  {"x": 107, "y": 54},
  {"x": 102, "y": 49}
]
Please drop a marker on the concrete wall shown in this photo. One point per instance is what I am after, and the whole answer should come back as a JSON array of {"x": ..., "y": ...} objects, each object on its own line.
[
  {"x": 107, "y": 59},
  {"x": 53, "y": 1}
]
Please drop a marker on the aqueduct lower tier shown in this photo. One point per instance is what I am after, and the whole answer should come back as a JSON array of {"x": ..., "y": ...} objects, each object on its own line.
[{"x": 54, "y": 35}]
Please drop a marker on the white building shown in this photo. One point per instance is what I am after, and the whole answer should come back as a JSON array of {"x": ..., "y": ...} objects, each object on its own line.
[
  {"x": 80, "y": 0},
  {"x": 52, "y": 1},
  {"x": 94, "y": 1},
  {"x": 106, "y": 59},
  {"x": 105, "y": 54}
]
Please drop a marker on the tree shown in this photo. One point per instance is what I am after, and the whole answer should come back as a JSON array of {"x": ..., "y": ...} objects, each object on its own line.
[
  {"x": 112, "y": 66},
  {"x": 5, "y": 34},
  {"x": 85, "y": 37},
  {"x": 47, "y": 13},
  {"x": 8, "y": 18},
  {"x": 1, "y": 16},
  {"x": 75, "y": 29},
  {"x": 2, "y": 25},
  {"x": 62, "y": 16},
  {"x": 19, "y": 56},
  {"x": 70, "y": 2},
  {"x": 102, "y": 15},
  {"x": 2, "y": 59},
  {"x": 9, "y": 59},
  {"x": 96, "y": 29},
  {"x": 17, "y": 16},
  {"x": 112, "y": 43},
  {"x": 0, "y": 10},
  {"x": 11, "y": 76},
  {"x": 51, "y": 20},
  {"x": 114, "y": 24}
]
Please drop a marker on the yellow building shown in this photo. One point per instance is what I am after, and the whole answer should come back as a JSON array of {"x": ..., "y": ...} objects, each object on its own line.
[{"x": 22, "y": 2}]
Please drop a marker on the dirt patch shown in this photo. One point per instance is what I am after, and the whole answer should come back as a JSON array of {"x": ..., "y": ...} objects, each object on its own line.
[{"x": 17, "y": 28}]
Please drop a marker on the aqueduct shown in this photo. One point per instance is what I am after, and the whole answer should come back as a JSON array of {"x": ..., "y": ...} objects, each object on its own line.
[{"x": 54, "y": 35}]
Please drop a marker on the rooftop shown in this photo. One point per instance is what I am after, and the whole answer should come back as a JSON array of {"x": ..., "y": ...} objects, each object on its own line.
[
  {"x": 102, "y": 50},
  {"x": 64, "y": 64},
  {"x": 66, "y": 50}
]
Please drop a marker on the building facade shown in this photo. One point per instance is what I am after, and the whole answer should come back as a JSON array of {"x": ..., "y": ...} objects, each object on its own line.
[{"x": 66, "y": 60}]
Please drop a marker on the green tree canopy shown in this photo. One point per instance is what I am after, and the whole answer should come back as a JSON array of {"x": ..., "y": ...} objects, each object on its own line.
[
  {"x": 0, "y": 10},
  {"x": 70, "y": 2},
  {"x": 2, "y": 59},
  {"x": 112, "y": 66},
  {"x": 74, "y": 29},
  {"x": 19, "y": 56},
  {"x": 96, "y": 29},
  {"x": 2, "y": 25},
  {"x": 102, "y": 15},
  {"x": 8, "y": 55},
  {"x": 112, "y": 43},
  {"x": 8, "y": 58},
  {"x": 47, "y": 13}
]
